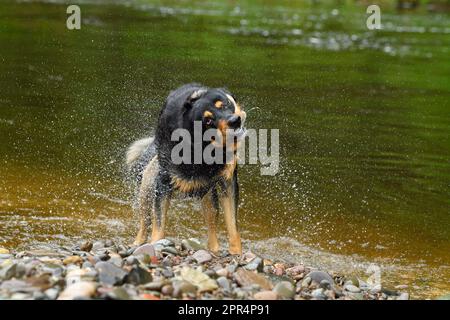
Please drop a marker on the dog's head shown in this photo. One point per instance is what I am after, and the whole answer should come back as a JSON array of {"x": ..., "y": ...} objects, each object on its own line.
[{"x": 218, "y": 109}]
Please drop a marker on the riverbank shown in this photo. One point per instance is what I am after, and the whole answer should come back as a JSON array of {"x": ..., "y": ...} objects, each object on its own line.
[{"x": 170, "y": 270}]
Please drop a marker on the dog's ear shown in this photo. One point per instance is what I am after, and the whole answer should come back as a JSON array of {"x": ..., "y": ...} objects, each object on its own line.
[{"x": 197, "y": 94}]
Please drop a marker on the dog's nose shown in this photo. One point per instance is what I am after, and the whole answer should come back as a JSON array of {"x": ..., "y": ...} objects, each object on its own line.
[{"x": 234, "y": 122}]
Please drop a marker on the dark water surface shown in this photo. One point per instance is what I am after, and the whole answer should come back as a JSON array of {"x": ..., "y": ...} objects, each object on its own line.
[{"x": 364, "y": 119}]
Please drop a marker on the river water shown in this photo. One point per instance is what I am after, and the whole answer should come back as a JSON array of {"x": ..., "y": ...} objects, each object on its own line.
[{"x": 363, "y": 117}]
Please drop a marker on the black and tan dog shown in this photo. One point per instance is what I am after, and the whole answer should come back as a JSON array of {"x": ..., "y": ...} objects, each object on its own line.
[{"x": 159, "y": 178}]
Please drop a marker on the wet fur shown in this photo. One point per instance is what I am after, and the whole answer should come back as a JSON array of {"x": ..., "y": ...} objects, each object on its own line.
[{"x": 158, "y": 179}]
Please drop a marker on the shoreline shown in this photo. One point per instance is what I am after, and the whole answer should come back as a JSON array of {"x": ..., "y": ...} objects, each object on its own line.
[{"x": 168, "y": 270}]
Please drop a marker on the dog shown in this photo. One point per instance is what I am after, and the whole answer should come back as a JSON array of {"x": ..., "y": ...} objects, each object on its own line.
[{"x": 158, "y": 178}]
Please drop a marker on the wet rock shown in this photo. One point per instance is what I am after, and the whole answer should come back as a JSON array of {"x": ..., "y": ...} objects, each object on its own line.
[
  {"x": 131, "y": 260},
  {"x": 110, "y": 274},
  {"x": 115, "y": 259},
  {"x": 167, "y": 290},
  {"x": 138, "y": 276},
  {"x": 255, "y": 265},
  {"x": 266, "y": 295},
  {"x": 191, "y": 244},
  {"x": 202, "y": 256},
  {"x": 224, "y": 283},
  {"x": 97, "y": 245},
  {"x": 352, "y": 288},
  {"x": 222, "y": 272},
  {"x": 296, "y": 270},
  {"x": 170, "y": 250},
  {"x": 198, "y": 279},
  {"x": 183, "y": 287},
  {"x": 154, "y": 286},
  {"x": 118, "y": 293},
  {"x": 9, "y": 271},
  {"x": 73, "y": 260},
  {"x": 318, "y": 294},
  {"x": 145, "y": 249},
  {"x": 306, "y": 282},
  {"x": 80, "y": 275},
  {"x": 78, "y": 290},
  {"x": 318, "y": 276},
  {"x": 86, "y": 246},
  {"x": 284, "y": 289},
  {"x": 51, "y": 293},
  {"x": 403, "y": 296},
  {"x": 248, "y": 278}
]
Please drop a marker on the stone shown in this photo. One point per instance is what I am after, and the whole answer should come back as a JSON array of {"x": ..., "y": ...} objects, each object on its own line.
[
  {"x": 352, "y": 288},
  {"x": 403, "y": 296},
  {"x": 131, "y": 260},
  {"x": 284, "y": 289},
  {"x": 306, "y": 282},
  {"x": 164, "y": 243},
  {"x": 248, "y": 278},
  {"x": 375, "y": 289},
  {"x": 118, "y": 293},
  {"x": 255, "y": 265},
  {"x": 318, "y": 276},
  {"x": 318, "y": 294},
  {"x": 183, "y": 287},
  {"x": 325, "y": 284},
  {"x": 78, "y": 290},
  {"x": 110, "y": 274},
  {"x": 145, "y": 249},
  {"x": 73, "y": 260},
  {"x": 115, "y": 259},
  {"x": 4, "y": 251},
  {"x": 296, "y": 270},
  {"x": 247, "y": 257},
  {"x": 167, "y": 290},
  {"x": 97, "y": 245},
  {"x": 153, "y": 286},
  {"x": 51, "y": 293},
  {"x": 222, "y": 272},
  {"x": 198, "y": 279},
  {"x": 192, "y": 244},
  {"x": 9, "y": 271},
  {"x": 86, "y": 246},
  {"x": 202, "y": 256},
  {"x": 401, "y": 287},
  {"x": 266, "y": 295},
  {"x": 80, "y": 275},
  {"x": 138, "y": 276},
  {"x": 170, "y": 250},
  {"x": 224, "y": 283}
]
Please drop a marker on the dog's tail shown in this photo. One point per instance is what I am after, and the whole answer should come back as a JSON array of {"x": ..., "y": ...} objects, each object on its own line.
[{"x": 137, "y": 150}]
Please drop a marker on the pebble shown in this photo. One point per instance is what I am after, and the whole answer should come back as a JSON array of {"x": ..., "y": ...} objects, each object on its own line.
[
  {"x": 167, "y": 290},
  {"x": 318, "y": 294},
  {"x": 199, "y": 279},
  {"x": 138, "y": 276},
  {"x": 97, "y": 245},
  {"x": 202, "y": 256},
  {"x": 403, "y": 296},
  {"x": 266, "y": 295},
  {"x": 352, "y": 288},
  {"x": 255, "y": 265},
  {"x": 110, "y": 274},
  {"x": 86, "y": 246},
  {"x": 318, "y": 276},
  {"x": 145, "y": 249},
  {"x": 284, "y": 289},
  {"x": 119, "y": 293},
  {"x": 183, "y": 287},
  {"x": 224, "y": 283},
  {"x": 191, "y": 244},
  {"x": 4, "y": 251},
  {"x": 78, "y": 290},
  {"x": 73, "y": 260},
  {"x": 247, "y": 278}
]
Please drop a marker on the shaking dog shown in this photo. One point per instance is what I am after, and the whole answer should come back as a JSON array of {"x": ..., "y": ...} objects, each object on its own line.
[{"x": 159, "y": 178}]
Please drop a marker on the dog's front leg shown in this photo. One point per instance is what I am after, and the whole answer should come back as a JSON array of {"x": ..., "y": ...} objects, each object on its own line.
[
  {"x": 229, "y": 202},
  {"x": 210, "y": 208},
  {"x": 160, "y": 206}
]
